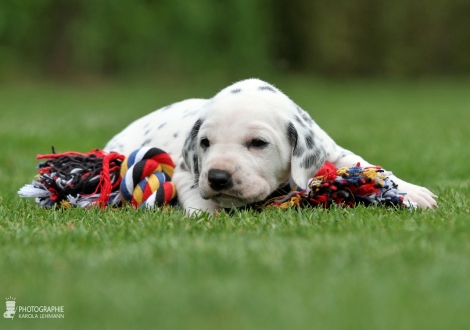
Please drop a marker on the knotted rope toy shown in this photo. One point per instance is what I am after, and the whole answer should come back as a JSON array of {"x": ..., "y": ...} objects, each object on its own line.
[
  {"x": 346, "y": 187},
  {"x": 146, "y": 178},
  {"x": 143, "y": 179},
  {"x": 99, "y": 178}
]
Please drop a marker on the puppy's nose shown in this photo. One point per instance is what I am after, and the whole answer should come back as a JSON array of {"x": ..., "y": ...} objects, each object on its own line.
[{"x": 219, "y": 179}]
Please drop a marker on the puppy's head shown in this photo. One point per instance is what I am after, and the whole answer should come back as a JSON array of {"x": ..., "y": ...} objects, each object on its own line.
[{"x": 250, "y": 140}]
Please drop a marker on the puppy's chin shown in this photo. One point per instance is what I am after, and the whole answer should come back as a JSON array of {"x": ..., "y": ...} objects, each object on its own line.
[
  {"x": 230, "y": 201},
  {"x": 234, "y": 197},
  {"x": 227, "y": 201}
]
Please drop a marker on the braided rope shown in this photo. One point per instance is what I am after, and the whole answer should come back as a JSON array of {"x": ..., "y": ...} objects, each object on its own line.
[{"x": 145, "y": 178}]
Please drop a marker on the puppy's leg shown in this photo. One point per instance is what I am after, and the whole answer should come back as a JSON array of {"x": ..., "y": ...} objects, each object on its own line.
[{"x": 188, "y": 192}]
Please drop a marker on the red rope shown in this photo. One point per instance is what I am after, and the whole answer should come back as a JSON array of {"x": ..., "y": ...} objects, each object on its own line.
[
  {"x": 97, "y": 152},
  {"x": 105, "y": 187}
]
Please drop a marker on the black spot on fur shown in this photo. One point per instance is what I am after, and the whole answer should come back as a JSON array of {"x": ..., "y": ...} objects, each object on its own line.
[
  {"x": 292, "y": 134},
  {"x": 309, "y": 142},
  {"x": 308, "y": 161},
  {"x": 190, "y": 142},
  {"x": 195, "y": 129},
  {"x": 147, "y": 125},
  {"x": 320, "y": 156},
  {"x": 161, "y": 125},
  {"x": 298, "y": 151},
  {"x": 234, "y": 91},
  {"x": 183, "y": 166},
  {"x": 195, "y": 164},
  {"x": 193, "y": 186},
  {"x": 306, "y": 117},
  {"x": 146, "y": 142},
  {"x": 147, "y": 132},
  {"x": 267, "y": 88},
  {"x": 190, "y": 146},
  {"x": 175, "y": 135},
  {"x": 293, "y": 137},
  {"x": 300, "y": 121}
]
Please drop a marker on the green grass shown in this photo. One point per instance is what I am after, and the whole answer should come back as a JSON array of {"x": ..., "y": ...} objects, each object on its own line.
[{"x": 363, "y": 268}]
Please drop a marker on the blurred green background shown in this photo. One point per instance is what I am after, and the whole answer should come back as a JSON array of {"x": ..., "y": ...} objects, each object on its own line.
[{"x": 233, "y": 38}]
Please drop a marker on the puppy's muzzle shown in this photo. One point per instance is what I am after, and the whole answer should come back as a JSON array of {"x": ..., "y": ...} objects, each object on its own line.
[{"x": 219, "y": 179}]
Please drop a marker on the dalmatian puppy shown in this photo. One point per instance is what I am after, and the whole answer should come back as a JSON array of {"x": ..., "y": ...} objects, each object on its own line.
[{"x": 240, "y": 146}]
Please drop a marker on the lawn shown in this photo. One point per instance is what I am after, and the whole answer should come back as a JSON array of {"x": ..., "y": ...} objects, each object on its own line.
[{"x": 363, "y": 268}]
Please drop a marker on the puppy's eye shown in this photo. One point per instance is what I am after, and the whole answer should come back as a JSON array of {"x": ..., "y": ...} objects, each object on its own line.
[
  {"x": 258, "y": 143},
  {"x": 205, "y": 143}
]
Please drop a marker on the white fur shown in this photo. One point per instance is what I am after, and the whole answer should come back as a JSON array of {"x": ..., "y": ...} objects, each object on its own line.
[{"x": 232, "y": 122}]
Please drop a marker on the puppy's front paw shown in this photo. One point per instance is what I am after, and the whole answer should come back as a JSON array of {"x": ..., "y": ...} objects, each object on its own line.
[{"x": 416, "y": 194}]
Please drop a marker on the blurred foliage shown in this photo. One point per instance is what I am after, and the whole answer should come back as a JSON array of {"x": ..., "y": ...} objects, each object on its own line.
[{"x": 332, "y": 38}]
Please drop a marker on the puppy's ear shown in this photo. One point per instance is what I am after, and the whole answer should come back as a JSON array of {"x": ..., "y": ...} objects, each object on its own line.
[
  {"x": 190, "y": 153},
  {"x": 308, "y": 152}
]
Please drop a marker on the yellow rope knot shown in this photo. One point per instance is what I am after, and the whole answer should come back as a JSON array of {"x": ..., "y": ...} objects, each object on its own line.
[
  {"x": 374, "y": 175},
  {"x": 293, "y": 202},
  {"x": 343, "y": 171}
]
